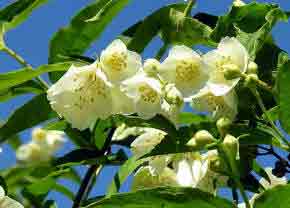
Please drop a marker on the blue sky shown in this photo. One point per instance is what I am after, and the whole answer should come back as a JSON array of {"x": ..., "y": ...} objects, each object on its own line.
[{"x": 31, "y": 40}]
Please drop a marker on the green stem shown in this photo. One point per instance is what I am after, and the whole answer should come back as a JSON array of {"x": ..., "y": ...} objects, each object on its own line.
[
  {"x": 22, "y": 62},
  {"x": 264, "y": 110},
  {"x": 188, "y": 7},
  {"x": 83, "y": 190}
]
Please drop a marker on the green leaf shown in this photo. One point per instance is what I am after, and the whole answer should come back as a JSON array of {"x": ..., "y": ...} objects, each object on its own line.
[
  {"x": 30, "y": 114},
  {"x": 125, "y": 170},
  {"x": 191, "y": 118},
  {"x": 43, "y": 186},
  {"x": 276, "y": 197},
  {"x": 253, "y": 42},
  {"x": 185, "y": 30},
  {"x": 272, "y": 114},
  {"x": 14, "y": 14},
  {"x": 101, "y": 132},
  {"x": 150, "y": 26},
  {"x": 163, "y": 197},
  {"x": 283, "y": 81},
  {"x": 21, "y": 89},
  {"x": 14, "y": 78},
  {"x": 77, "y": 37},
  {"x": 248, "y": 18}
]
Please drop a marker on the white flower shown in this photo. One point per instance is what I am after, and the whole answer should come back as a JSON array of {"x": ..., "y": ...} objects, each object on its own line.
[
  {"x": 146, "y": 94},
  {"x": 218, "y": 106},
  {"x": 144, "y": 178},
  {"x": 43, "y": 145},
  {"x": 171, "y": 112},
  {"x": 274, "y": 180},
  {"x": 118, "y": 62},
  {"x": 7, "y": 202},
  {"x": 193, "y": 170},
  {"x": 184, "y": 68},
  {"x": 230, "y": 54},
  {"x": 81, "y": 96},
  {"x": 190, "y": 171},
  {"x": 144, "y": 143}
]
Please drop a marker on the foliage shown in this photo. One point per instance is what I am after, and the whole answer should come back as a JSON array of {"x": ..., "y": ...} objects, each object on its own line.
[{"x": 237, "y": 93}]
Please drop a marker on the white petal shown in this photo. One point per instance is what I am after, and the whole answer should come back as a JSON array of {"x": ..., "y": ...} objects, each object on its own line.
[
  {"x": 2, "y": 193},
  {"x": 7, "y": 202},
  {"x": 233, "y": 48},
  {"x": 184, "y": 173},
  {"x": 121, "y": 102}
]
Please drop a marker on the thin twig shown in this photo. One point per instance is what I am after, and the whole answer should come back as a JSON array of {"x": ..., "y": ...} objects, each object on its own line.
[{"x": 22, "y": 62}]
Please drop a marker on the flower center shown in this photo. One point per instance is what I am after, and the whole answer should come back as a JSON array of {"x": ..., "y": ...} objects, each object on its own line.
[
  {"x": 187, "y": 70},
  {"x": 226, "y": 63},
  {"x": 92, "y": 88},
  {"x": 117, "y": 61},
  {"x": 148, "y": 94}
]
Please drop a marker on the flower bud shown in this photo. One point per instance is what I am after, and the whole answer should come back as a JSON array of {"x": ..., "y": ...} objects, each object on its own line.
[
  {"x": 230, "y": 146},
  {"x": 200, "y": 139},
  {"x": 251, "y": 80},
  {"x": 223, "y": 124},
  {"x": 173, "y": 95},
  {"x": 232, "y": 71},
  {"x": 217, "y": 164},
  {"x": 252, "y": 68},
  {"x": 238, "y": 3},
  {"x": 151, "y": 67}
]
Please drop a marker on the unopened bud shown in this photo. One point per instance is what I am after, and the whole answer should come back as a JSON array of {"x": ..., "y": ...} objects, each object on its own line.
[
  {"x": 217, "y": 164},
  {"x": 223, "y": 125},
  {"x": 252, "y": 68},
  {"x": 151, "y": 67},
  {"x": 239, "y": 3},
  {"x": 231, "y": 71},
  {"x": 200, "y": 139},
  {"x": 173, "y": 95},
  {"x": 251, "y": 80},
  {"x": 230, "y": 146}
]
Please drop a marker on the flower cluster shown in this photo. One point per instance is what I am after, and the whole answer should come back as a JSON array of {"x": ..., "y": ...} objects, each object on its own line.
[
  {"x": 181, "y": 169},
  {"x": 43, "y": 145},
  {"x": 118, "y": 83}
]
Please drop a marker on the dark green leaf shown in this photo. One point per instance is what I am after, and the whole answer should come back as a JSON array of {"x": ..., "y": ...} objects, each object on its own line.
[
  {"x": 30, "y": 114},
  {"x": 276, "y": 197},
  {"x": 163, "y": 198},
  {"x": 150, "y": 26}
]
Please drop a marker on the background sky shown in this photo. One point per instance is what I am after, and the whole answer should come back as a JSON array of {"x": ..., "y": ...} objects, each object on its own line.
[{"x": 31, "y": 40}]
